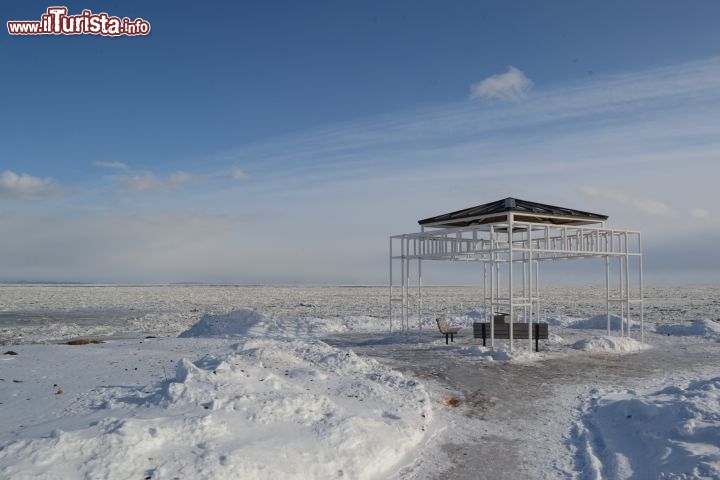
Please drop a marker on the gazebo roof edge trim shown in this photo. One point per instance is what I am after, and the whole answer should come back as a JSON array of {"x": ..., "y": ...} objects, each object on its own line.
[{"x": 510, "y": 204}]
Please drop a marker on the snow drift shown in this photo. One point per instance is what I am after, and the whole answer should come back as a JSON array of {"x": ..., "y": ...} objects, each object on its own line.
[
  {"x": 671, "y": 433},
  {"x": 267, "y": 408},
  {"x": 247, "y": 322},
  {"x": 609, "y": 344},
  {"x": 700, "y": 328},
  {"x": 598, "y": 322},
  {"x": 239, "y": 322}
]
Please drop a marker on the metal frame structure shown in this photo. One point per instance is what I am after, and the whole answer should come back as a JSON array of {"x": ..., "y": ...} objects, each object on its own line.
[{"x": 510, "y": 251}]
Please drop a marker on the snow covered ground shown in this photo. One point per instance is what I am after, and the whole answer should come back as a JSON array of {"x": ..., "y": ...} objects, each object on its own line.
[
  {"x": 604, "y": 343},
  {"x": 42, "y": 312},
  {"x": 255, "y": 404},
  {"x": 673, "y": 432},
  {"x": 309, "y": 383}
]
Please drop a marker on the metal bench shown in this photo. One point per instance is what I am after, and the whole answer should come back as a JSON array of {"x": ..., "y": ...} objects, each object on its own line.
[
  {"x": 446, "y": 329},
  {"x": 502, "y": 331}
]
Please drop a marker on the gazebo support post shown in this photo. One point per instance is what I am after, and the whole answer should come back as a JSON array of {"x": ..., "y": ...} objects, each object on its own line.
[
  {"x": 626, "y": 259},
  {"x": 537, "y": 288},
  {"x": 607, "y": 292},
  {"x": 420, "y": 297},
  {"x": 391, "y": 286},
  {"x": 640, "y": 280},
  {"x": 485, "y": 309},
  {"x": 530, "y": 289},
  {"x": 510, "y": 274},
  {"x": 622, "y": 294},
  {"x": 402, "y": 284},
  {"x": 493, "y": 287},
  {"x": 407, "y": 285}
]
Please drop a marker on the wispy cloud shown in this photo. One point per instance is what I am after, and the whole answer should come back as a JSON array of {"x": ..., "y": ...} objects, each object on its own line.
[
  {"x": 146, "y": 182},
  {"x": 111, "y": 165},
  {"x": 512, "y": 85},
  {"x": 644, "y": 205},
  {"x": 24, "y": 186},
  {"x": 653, "y": 116},
  {"x": 237, "y": 174},
  {"x": 180, "y": 178},
  {"x": 149, "y": 182}
]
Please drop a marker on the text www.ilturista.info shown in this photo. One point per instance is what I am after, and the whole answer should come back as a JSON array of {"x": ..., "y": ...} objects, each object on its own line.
[{"x": 57, "y": 22}]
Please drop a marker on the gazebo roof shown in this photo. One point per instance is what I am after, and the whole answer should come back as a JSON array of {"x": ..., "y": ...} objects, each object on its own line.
[{"x": 523, "y": 211}]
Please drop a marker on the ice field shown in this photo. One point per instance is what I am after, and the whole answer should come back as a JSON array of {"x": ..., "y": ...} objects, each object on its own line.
[
  {"x": 308, "y": 382},
  {"x": 60, "y": 311}
]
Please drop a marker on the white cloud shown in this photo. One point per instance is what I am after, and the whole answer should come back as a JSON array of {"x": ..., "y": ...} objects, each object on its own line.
[
  {"x": 27, "y": 187},
  {"x": 644, "y": 205},
  {"x": 512, "y": 85},
  {"x": 111, "y": 165},
  {"x": 149, "y": 182},
  {"x": 144, "y": 182},
  {"x": 177, "y": 179},
  {"x": 237, "y": 174}
]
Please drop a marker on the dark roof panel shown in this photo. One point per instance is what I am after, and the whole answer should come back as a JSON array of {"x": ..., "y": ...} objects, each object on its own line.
[{"x": 529, "y": 212}]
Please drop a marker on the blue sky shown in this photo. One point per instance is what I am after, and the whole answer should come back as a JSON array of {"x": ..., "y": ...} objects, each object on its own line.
[{"x": 281, "y": 142}]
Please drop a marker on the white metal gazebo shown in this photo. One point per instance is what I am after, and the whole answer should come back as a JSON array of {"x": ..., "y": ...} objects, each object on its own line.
[{"x": 510, "y": 238}]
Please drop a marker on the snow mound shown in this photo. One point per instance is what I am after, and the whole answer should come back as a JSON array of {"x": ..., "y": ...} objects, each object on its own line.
[
  {"x": 598, "y": 322},
  {"x": 609, "y": 344},
  {"x": 560, "y": 320},
  {"x": 347, "y": 324},
  {"x": 700, "y": 328},
  {"x": 267, "y": 409},
  {"x": 501, "y": 353},
  {"x": 239, "y": 322},
  {"x": 671, "y": 433},
  {"x": 249, "y": 323}
]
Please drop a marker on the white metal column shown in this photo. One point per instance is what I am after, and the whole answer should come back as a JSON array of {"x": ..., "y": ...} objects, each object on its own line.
[
  {"x": 420, "y": 297},
  {"x": 390, "y": 301},
  {"x": 530, "y": 285},
  {"x": 627, "y": 283},
  {"x": 607, "y": 292},
  {"x": 510, "y": 274},
  {"x": 493, "y": 287},
  {"x": 642, "y": 300}
]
